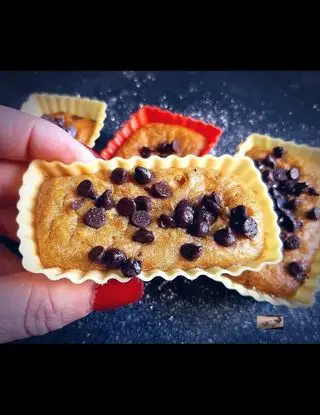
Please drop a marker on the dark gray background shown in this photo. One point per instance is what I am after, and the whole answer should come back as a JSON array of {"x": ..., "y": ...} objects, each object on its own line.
[{"x": 282, "y": 104}]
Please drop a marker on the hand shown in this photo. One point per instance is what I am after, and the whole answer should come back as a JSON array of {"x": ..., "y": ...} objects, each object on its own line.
[{"x": 30, "y": 304}]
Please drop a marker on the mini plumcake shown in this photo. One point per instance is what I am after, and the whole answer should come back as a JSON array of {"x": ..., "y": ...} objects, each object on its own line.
[
  {"x": 121, "y": 219},
  {"x": 82, "y": 118},
  {"x": 292, "y": 175},
  {"x": 153, "y": 131}
]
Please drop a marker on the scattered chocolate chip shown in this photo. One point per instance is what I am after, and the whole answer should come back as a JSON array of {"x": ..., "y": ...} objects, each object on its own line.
[
  {"x": 76, "y": 204},
  {"x": 287, "y": 187},
  {"x": 299, "y": 188},
  {"x": 291, "y": 242},
  {"x": 292, "y": 204},
  {"x": 224, "y": 237},
  {"x": 239, "y": 212},
  {"x": 86, "y": 189},
  {"x": 287, "y": 221},
  {"x": 140, "y": 219},
  {"x": 258, "y": 164},
  {"x": 297, "y": 269},
  {"x": 119, "y": 176},
  {"x": 191, "y": 252},
  {"x": 142, "y": 175},
  {"x": 312, "y": 192},
  {"x": 131, "y": 268},
  {"x": 293, "y": 174},
  {"x": 72, "y": 131},
  {"x": 283, "y": 235},
  {"x": 143, "y": 236},
  {"x": 249, "y": 228},
  {"x": 162, "y": 148},
  {"x": 269, "y": 161},
  {"x": 95, "y": 218},
  {"x": 280, "y": 174},
  {"x": 143, "y": 203},
  {"x": 114, "y": 258},
  {"x": 199, "y": 229},
  {"x": 202, "y": 214},
  {"x": 278, "y": 152},
  {"x": 183, "y": 214},
  {"x": 96, "y": 254},
  {"x": 166, "y": 221},
  {"x": 105, "y": 200},
  {"x": 314, "y": 214},
  {"x": 212, "y": 207},
  {"x": 267, "y": 176},
  {"x": 145, "y": 152},
  {"x": 174, "y": 146},
  {"x": 278, "y": 199},
  {"x": 161, "y": 190},
  {"x": 126, "y": 206}
]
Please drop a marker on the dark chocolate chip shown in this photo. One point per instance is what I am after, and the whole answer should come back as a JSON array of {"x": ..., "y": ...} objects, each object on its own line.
[
  {"x": 278, "y": 152},
  {"x": 283, "y": 235},
  {"x": 184, "y": 203},
  {"x": 267, "y": 176},
  {"x": 174, "y": 146},
  {"x": 291, "y": 242},
  {"x": 314, "y": 214},
  {"x": 131, "y": 268},
  {"x": 145, "y": 152},
  {"x": 95, "y": 218},
  {"x": 143, "y": 236},
  {"x": 72, "y": 131},
  {"x": 213, "y": 208},
  {"x": 269, "y": 161},
  {"x": 214, "y": 197},
  {"x": 105, "y": 200},
  {"x": 140, "y": 219},
  {"x": 239, "y": 212},
  {"x": 119, "y": 176},
  {"x": 114, "y": 258},
  {"x": 161, "y": 190},
  {"x": 224, "y": 237},
  {"x": 142, "y": 175},
  {"x": 287, "y": 187},
  {"x": 76, "y": 204},
  {"x": 297, "y": 269},
  {"x": 126, "y": 206},
  {"x": 86, "y": 189},
  {"x": 259, "y": 165},
  {"x": 166, "y": 221},
  {"x": 96, "y": 254},
  {"x": 280, "y": 175},
  {"x": 162, "y": 148},
  {"x": 183, "y": 214},
  {"x": 199, "y": 229},
  {"x": 312, "y": 192},
  {"x": 191, "y": 252},
  {"x": 202, "y": 214},
  {"x": 250, "y": 228},
  {"x": 293, "y": 174},
  {"x": 292, "y": 204},
  {"x": 143, "y": 203},
  {"x": 287, "y": 221},
  {"x": 300, "y": 188}
]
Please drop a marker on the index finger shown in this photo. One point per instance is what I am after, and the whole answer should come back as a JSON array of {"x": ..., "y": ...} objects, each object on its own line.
[{"x": 24, "y": 137}]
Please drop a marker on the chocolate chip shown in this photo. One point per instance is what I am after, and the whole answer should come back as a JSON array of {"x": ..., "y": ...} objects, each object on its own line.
[
  {"x": 105, "y": 200},
  {"x": 143, "y": 236},
  {"x": 95, "y": 218},
  {"x": 297, "y": 269},
  {"x": 142, "y": 175},
  {"x": 293, "y": 174},
  {"x": 287, "y": 221},
  {"x": 250, "y": 228},
  {"x": 314, "y": 214},
  {"x": 114, "y": 258},
  {"x": 292, "y": 204},
  {"x": 183, "y": 214},
  {"x": 283, "y": 235},
  {"x": 267, "y": 176},
  {"x": 299, "y": 188},
  {"x": 191, "y": 252},
  {"x": 214, "y": 197},
  {"x": 161, "y": 190},
  {"x": 166, "y": 221},
  {"x": 202, "y": 214},
  {"x": 278, "y": 199},
  {"x": 213, "y": 208},
  {"x": 224, "y": 237},
  {"x": 86, "y": 189},
  {"x": 269, "y": 161},
  {"x": 174, "y": 146},
  {"x": 287, "y": 187},
  {"x": 76, "y": 204},
  {"x": 239, "y": 212},
  {"x": 143, "y": 203},
  {"x": 257, "y": 163},
  {"x": 126, "y": 206},
  {"x": 96, "y": 254},
  {"x": 162, "y": 148},
  {"x": 312, "y": 192},
  {"x": 291, "y": 242},
  {"x": 280, "y": 174},
  {"x": 278, "y": 152},
  {"x": 140, "y": 219},
  {"x": 131, "y": 268},
  {"x": 72, "y": 131},
  {"x": 145, "y": 152},
  {"x": 199, "y": 229},
  {"x": 119, "y": 176}
]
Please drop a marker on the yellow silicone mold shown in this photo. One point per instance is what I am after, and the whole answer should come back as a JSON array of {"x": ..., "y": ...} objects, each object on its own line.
[
  {"x": 241, "y": 168},
  {"x": 93, "y": 109}
]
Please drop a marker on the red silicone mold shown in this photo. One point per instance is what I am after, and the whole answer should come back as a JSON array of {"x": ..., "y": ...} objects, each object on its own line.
[{"x": 149, "y": 114}]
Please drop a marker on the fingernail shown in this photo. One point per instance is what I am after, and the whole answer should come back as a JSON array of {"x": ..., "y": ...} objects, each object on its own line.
[
  {"x": 97, "y": 155},
  {"x": 115, "y": 294}
]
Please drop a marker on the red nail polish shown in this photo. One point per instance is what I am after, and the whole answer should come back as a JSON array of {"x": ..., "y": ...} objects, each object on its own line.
[{"x": 116, "y": 294}]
